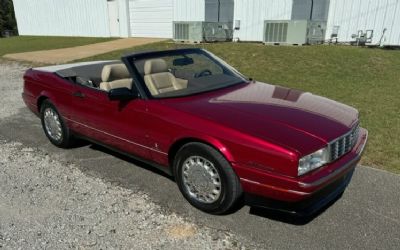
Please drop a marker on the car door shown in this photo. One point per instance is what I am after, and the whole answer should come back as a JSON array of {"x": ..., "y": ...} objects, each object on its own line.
[{"x": 115, "y": 123}]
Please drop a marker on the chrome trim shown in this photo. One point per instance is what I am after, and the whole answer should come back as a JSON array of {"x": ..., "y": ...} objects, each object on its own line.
[
  {"x": 361, "y": 150},
  {"x": 334, "y": 143},
  {"x": 117, "y": 137},
  {"x": 274, "y": 187}
]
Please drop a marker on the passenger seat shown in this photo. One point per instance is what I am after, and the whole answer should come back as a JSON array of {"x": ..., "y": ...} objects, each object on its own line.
[
  {"x": 115, "y": 76},
  {"x": 158, "y": 80}
]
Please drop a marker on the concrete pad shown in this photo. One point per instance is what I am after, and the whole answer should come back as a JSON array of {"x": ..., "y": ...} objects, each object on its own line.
[{"x": 60, "y": 56}]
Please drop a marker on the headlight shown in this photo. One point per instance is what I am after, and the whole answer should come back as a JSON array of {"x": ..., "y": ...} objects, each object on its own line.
[{"x": 313, "y": 161}]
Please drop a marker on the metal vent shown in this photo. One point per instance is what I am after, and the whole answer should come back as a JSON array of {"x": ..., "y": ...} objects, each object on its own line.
[
  {"x": 344, "y": 144},
  {"x": 192, "y": 31},
  {"x": 276, "y": 32},
  {"x": 181, "y": 31},
  {"x": 214, "y": 32},
  {"x": 293, "y": 32}
]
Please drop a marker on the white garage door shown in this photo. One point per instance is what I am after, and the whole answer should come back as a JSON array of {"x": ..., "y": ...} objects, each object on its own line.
[{"x": 151, "y": 18}]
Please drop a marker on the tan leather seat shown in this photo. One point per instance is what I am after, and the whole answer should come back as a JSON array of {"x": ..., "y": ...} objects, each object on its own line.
[
  {"x": 158, "y": 80},
  {"x": 115, "y": 76}
]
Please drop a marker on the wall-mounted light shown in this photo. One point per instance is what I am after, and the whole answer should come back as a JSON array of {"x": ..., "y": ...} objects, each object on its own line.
[{"x": 237, "y": 25}]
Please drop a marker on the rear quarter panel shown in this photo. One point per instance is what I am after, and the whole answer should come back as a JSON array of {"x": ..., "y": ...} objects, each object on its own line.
[{"x": 39, "y": 85}]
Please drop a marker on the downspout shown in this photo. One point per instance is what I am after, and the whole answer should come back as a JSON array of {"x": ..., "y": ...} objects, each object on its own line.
[
  {"x": 312, "y": 9},
  {"x": 219, "y": 9},
  {"x": 128, "y": 18}
]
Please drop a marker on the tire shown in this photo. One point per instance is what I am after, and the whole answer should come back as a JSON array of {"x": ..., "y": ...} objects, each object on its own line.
[
  {"x": 226, "y": 191},
  {"x": 62, "y": 138}
]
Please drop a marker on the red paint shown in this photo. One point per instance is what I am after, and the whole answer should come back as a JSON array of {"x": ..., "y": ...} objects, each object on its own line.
[{"x": 261, "y": 129}]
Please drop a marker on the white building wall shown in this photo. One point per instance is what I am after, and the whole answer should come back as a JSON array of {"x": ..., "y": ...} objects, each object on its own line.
[
  {"x": 354, "y": 15},
  {"x": 153, "y": 18},
  {"x": 62, "y": 17},
  {"x": 189, "y": 10},
  {"x": 252, "y": 14}
]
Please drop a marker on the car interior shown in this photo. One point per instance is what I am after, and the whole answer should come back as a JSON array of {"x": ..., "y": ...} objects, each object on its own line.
[
  {"x": 92, "y": 75},
  {"x": 169, "y": 76},
  {"x": 107, "y": 76}
]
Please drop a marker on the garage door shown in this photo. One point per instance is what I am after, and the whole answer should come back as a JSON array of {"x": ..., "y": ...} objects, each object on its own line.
[{"x": 151, "y": 18}]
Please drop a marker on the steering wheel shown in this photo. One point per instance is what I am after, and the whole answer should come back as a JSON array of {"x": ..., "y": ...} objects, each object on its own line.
[{"x": 205, "y": 72}]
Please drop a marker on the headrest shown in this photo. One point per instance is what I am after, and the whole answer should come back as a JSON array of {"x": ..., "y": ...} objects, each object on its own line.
[
  {"x": 114, "y": 72},
  {"x": 154, "y": 66}
]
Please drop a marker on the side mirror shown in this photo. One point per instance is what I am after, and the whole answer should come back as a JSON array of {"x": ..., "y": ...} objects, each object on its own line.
[{"x": 122, "y": 94}]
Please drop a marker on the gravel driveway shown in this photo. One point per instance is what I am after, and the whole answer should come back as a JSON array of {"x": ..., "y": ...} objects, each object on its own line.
[
  {"x": 47, "y": 203},
  {"x": 10, "y": 88}
]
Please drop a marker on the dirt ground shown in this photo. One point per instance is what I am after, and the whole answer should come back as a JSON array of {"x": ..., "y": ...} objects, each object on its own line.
[{"x": 59, "y": 56}]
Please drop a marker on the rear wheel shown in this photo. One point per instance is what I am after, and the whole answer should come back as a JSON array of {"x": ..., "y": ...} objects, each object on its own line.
[
  {"x": 206, "y": 179},
  {"x": 53, "y": 125}
]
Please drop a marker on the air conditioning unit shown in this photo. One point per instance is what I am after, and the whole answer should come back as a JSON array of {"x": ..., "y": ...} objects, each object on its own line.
[
  {"x": 294, "y": 32},
  {"x": 202, "y": 32}
]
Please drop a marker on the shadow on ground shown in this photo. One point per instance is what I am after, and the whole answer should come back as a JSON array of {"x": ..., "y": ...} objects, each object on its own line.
[{"x": 254, "y": 210}]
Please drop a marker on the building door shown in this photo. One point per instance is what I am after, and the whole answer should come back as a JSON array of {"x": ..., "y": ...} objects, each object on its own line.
[
  {"x": 151, "y": 18},
  {"x": 113, "y": 17}
]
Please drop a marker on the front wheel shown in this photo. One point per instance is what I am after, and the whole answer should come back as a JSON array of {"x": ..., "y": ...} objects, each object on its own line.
[
  {"x": 206, "y": 179},
  {"x": 53, "y": 125}
]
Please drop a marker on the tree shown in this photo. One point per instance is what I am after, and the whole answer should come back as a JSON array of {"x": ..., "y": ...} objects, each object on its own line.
[{"x": 7, "y": 17}]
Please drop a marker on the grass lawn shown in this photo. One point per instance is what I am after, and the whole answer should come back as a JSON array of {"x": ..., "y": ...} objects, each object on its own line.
[
  {"x": 367, "y": 79},
  {"x": 33, "y": 43}
]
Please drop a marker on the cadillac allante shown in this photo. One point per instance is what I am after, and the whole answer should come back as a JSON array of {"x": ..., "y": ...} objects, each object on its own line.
[{"x": 222, "y": 136}]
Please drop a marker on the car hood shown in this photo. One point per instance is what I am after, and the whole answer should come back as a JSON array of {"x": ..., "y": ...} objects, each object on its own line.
[{"x": 285, "y": 116}]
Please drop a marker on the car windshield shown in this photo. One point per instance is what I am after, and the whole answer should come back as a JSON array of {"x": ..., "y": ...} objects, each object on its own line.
[{"x": 180, "y": 73}]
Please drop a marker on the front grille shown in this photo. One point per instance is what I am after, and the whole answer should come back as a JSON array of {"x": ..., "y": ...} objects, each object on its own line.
[{"x": 344, "y": 144}]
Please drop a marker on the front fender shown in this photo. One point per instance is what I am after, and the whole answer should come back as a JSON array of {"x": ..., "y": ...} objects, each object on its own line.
[{"x": 210, "y": 140}]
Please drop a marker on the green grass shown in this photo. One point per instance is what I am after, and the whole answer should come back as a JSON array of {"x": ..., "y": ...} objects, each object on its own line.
[
  {"x": 33, "y": 43},
  {"x": 367, "y": 79}
]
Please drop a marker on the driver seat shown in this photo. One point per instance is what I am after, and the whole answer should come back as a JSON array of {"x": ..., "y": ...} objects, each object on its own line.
[{"x": 157, "y": 78}]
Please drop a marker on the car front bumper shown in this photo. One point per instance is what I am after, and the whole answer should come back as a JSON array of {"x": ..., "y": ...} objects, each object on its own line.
[{"x": 305, "y": 194}]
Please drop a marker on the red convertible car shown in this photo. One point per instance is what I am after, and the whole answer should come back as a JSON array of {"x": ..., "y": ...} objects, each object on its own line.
[{"x": 221, "y": 135}]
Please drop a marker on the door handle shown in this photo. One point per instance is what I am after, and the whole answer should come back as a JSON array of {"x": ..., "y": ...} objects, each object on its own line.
[{"x": 79, "y": 94}]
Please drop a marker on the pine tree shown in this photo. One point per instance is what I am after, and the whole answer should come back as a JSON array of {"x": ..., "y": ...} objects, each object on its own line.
[{"x": 7, "y": 17}]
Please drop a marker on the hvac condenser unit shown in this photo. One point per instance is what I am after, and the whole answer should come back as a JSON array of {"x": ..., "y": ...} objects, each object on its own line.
[
  {"x": 202, "y": 31},
  {"x": 294, "y": 32}
]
